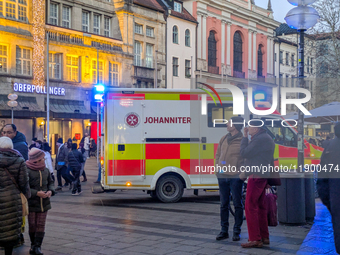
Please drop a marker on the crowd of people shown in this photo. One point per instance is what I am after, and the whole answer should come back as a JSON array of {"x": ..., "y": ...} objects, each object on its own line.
[{"x": 28, "y": 172}]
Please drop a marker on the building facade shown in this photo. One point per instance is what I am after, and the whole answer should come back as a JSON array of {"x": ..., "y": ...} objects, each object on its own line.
[{"x": 79, "y": 33}]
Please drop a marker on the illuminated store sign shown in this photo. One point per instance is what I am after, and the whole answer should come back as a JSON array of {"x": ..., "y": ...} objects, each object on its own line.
[{"x": 28, "y": 88}]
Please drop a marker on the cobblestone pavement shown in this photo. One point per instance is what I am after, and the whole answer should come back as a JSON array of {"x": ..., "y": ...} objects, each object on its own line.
[{"x": 131, "y": 222}]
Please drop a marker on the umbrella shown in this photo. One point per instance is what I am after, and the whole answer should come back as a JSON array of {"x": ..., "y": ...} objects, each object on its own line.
[
  {"x": 295, "y": 116},
  {"x": 326, "y": 114}
]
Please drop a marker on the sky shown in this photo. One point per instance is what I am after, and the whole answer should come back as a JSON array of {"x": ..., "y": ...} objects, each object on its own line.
[{"x": 280, "y": 8}]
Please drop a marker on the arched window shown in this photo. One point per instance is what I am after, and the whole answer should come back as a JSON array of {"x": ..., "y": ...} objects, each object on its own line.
[
  {"x": 260, "y": 61},
  {"x": 175, "y": 34},
  {"x": 212, "y": 49},
  {"x": 187, "y": 38},
  {"x": 238, "y": 52}
]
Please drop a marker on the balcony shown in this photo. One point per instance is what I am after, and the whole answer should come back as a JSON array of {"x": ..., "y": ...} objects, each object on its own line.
[
  {"x": 65, "y": 38},
  {"x": 238, "y": 74},
  {"x": 213, "y": 69},
  {"x": 261, "y": 78},
  {"x": 144, "y": 73}
]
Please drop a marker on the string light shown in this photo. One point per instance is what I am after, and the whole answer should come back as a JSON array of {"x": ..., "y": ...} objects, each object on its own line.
[{"x": 38, "y": 42}]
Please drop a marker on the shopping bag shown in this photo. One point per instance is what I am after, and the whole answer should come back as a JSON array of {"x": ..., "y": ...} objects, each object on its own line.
[{"x": 271, "y": 207}]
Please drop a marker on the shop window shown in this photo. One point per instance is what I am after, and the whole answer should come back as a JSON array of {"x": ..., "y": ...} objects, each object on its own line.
[
  {"x": 114, "y": 74},
  {"x": 96, "y": 24},
  {"x": 187, "y": 38},
  {"x": 175, "y": 67},
  {"x": 3, "y": 59},
  {"x": 85, "y": 21},
  {"x": 149, "y": 56},
  {"x": 72, "y": 68},
  {"x": 187, "y": 68},
  {"x": 23, "y": 61},
  {"x": 55, "y": 65},
  {"x": 96, "y": 69},
  {"x": 54, "y": 14},
  {"x": 107, "y": 26},
  {"x": 175, "y": 34},
  {"x": 138, "y": 54},
  {"x": 149, "y": 31},
  {"x": 138, "y": 29},
  {"x": 66, "y": 22}
]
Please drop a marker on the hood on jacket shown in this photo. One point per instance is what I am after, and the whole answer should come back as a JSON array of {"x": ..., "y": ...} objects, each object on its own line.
[
  {"x": 19, "y": 138},
  {"x": 8, "y": 157}
]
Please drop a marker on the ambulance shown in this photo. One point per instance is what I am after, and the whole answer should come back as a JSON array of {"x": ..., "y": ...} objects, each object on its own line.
[{"x": 158, "y": 140}]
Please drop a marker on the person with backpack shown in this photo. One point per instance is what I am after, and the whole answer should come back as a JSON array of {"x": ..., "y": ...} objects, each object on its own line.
[{"x": 75, "y": 160}]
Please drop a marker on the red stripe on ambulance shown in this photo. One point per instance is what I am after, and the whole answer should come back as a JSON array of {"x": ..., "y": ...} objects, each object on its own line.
[
  {"x": 162, "y": 151},
  {"x": 128, "y": 167}
]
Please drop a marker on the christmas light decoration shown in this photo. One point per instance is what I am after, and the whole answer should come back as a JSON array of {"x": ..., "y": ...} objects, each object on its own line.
[{"x": 38, "y": 42}]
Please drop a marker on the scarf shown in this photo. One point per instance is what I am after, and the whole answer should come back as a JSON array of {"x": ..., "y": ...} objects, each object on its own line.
[
  {"x": 36, "y": 165},
  {"x": 230, "y": 138}
]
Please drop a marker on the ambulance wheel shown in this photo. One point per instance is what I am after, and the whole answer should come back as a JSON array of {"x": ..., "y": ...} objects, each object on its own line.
[{"x": 169, "y": 189}]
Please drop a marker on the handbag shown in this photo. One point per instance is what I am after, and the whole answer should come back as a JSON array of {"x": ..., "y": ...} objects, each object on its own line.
[
  {"x": 274, "y": 177},
  {"x": 271, "y": 207},
  {"x": 24, "y": 202}
]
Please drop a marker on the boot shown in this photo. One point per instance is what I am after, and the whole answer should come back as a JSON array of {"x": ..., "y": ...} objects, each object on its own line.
[
  {"x": 39, "y": 236},
  {"x": 32, "y": 237}
]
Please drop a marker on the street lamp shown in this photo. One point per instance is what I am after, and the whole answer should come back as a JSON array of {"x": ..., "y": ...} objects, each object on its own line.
[
  {"x": 301, "y": 18},
  {"x": 12, "y": 103}
]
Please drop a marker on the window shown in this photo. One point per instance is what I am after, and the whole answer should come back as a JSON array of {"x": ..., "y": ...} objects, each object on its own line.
[
  {"x": 175, "y": 66},
  {"x": 10, "y": 10},
  {"x": 54, "y": 65},
  {"x": 311, "y": 65},
  {"x": 149, "y": 55},
  {"x": 1, "y": 7},
  {"x": 187, "y": 38},
  {"x": 287, "y": 58},
  {"x": 22, "y": 5},
  {"x": 107, "y": 26},
  {"x": 72, "y": 68},
  {"x": 54, "y": 14},
  {"x": 138, "y": 54},
  {"x": 85, "y": 21},
  {"x": 114, "y": 74},
  {"x": 293, "y": 60},
  {"x": 187, "y": 68},
  {"x": 308, "y": 65},
  {"x": 95, "y": 69},
  {"x": 3, "y": 59},
  {"x": 219, "y": 113},
  {"x": 287, "y": 80},
  {"x": 281, "y": 135},
  {"x": 175, "y": 34},
  {"x": 23, "y": 61},
  {"x": 212, "y": 49},
  {"x": 66, "y": 17},
  {"x": 238, "y": 54},
  {"x": 281, "y": 57},
  {"x": 177, "y": 7},
  {"x": 149, "y": 31},
  {"x": 138, "y": 29},
  {"x": 260, "y": 61},
  {"x": 96, "y": 24}
]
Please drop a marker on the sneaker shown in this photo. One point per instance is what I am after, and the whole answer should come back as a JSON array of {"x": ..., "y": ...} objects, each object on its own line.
[
  {"x": 75, "y": 194},
  {"x": 79, "y": 192},
  {"x": 222, "y": 235}
]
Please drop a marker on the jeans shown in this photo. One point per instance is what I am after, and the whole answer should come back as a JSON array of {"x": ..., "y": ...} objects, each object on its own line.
[
  {"x": 59, "y": 178},
  {"x": 233, "y": 185},
  {"x": 76, "y": 182},
  {"x": 65, "y": 173}
]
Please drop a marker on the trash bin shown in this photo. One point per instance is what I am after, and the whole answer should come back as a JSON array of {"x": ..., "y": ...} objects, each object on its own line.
[
  {"x": 309, "y": 197},
  {"x": 291, "y": 199}
]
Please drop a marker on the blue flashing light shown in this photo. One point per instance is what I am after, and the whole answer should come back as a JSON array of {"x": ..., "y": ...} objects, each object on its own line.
[
  {"x": 100, "y": 88},
  {"x": 98, "y": 97},
  {"x": 260, "y": 96}
]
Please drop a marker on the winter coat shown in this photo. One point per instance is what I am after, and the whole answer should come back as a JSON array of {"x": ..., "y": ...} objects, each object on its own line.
[
  {"x": 10, "y": 200},
  {"x": 40, "y": 181},
  {"x": 228, "y": 154},
  {"x": 61, "y": 158},
  {"x": 75, "y": 158},
  {"x": 20, "y": 144},
  {"x": 48, "y": 162},
  {"x": 258, "y": 152}
]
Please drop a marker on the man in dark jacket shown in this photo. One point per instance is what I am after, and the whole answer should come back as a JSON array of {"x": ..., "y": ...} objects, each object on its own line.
[
  {"x": 61, "y": 164},
  {"x": 328, "y": 183},
  {"x": 228, "y": 155},
  {"x": 257, "y": 153},
  {"x": 18, "y": 139},
  {"x": 75, "y": 158}
]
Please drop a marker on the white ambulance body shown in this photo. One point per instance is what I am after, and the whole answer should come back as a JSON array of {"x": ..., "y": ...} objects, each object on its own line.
[{"x": 158, "y": 140}]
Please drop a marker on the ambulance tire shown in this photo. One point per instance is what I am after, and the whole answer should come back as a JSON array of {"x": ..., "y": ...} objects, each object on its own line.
[{"x": 169, "y": 189}]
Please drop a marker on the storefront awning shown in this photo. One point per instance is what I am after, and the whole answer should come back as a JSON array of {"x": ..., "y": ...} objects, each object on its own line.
[
  {"x": 61, "y": 108},
  {"x": 27, "y": 107}
]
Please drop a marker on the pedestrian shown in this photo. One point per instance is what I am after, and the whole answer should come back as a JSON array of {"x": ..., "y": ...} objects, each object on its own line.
[
  {"x": 61, "y": 165},
  {"x": 75, "y": 159},
  {"x": 42, "y": 188},
  {"x": 257, "y": 153},
  {"x": 328, "y": 183},
  {"x": 87, "y": 145},
  {"x": 82, "y": 171},
  {"x": 228, "y": 155},
  {"x": 10, "y": 200},
  {"x": 19, "y": 144},
  {"x": 48, "y": 159},
  {"x": 33, "y": 143},
  {"x": 93, "y": 147},
  {"x": 326, "y": 142},
  {"x": 39, "y": 144},
  {"x": 18, "y": 139}
]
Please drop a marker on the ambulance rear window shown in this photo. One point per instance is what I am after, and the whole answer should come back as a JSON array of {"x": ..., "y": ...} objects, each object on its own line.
[{"x": 219, "y": 114}]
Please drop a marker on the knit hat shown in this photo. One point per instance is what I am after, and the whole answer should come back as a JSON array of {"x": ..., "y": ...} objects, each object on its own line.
[
  {"x": 6, "y": 143},
  {"x": 60, "y": 140},
  {"x": 237, "y": 120},
  {"x": 337, "y": 129},
  {"x": 36, "y": 154}
]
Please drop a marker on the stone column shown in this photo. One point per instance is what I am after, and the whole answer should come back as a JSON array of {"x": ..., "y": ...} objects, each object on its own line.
[
  {"x": 254, "y": 50},
  {"x": 204, "y": 37},
  {"x": 228, "y": 42},
  {"x": 249, "y": 49},
  {"x": 223, "y": 43}
]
